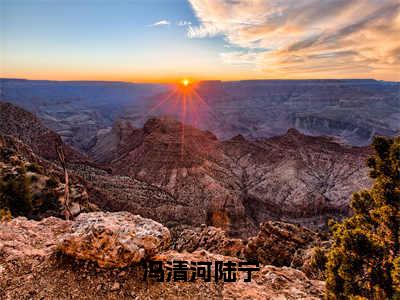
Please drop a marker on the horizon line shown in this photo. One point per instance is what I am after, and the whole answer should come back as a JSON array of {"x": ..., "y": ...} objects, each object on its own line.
[{"x": 199, "y": 80}]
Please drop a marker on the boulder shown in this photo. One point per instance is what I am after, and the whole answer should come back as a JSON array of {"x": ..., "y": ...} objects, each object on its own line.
[{"x": 114, "y": 239}]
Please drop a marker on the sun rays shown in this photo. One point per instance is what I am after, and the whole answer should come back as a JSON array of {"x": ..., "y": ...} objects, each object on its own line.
[{"x": 184, "y": 103}]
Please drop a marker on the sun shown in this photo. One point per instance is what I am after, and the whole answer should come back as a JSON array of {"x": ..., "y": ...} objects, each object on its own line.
[{"x": 185, "y": 82}]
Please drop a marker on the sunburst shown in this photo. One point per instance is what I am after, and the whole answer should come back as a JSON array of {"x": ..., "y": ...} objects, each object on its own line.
[{"x": 184, "y": 99}]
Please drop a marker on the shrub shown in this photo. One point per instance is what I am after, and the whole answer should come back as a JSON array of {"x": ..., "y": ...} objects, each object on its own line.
[
  {"x": 319, "y": 260},
  {"x": 15, "y": 194},
  {"x": 34, "y": 167},
  {"x": 51, "y": 183},
  {"x": 5, "y": 214}
]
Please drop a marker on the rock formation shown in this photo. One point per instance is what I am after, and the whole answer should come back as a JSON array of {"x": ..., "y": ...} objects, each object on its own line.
[{"x": 190, "y": 165}]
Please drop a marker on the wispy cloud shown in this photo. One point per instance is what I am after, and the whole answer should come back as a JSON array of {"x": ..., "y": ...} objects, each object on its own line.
[
  {"x": 160, "y": 23},
  {"x": 320, "y": 38}
]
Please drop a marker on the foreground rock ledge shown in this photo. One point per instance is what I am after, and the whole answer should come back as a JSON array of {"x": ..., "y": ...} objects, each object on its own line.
[
  {"x": 29, "y": 269},
  {"x": 114, "y": 239}
]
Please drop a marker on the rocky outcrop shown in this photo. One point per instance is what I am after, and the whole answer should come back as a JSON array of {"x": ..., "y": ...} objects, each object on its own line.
[
  {"x": 279, "y": 243},
  {"x": 31, "y": 267},
  {"x": 209, "y": 238},
  {"x": 114, "y": 239},
  {"x": 177, "y": 169},
  {"x": 234, "y": 184}
]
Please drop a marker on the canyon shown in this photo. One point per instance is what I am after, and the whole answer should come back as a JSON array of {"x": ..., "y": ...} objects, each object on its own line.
[{"x": 253, "y": 173}]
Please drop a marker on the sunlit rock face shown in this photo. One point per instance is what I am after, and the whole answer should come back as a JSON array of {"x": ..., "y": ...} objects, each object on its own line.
[{"x": 238, "y": 183}]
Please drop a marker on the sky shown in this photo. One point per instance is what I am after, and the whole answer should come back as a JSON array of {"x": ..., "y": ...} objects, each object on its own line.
[{"x": 167, "y": 40}]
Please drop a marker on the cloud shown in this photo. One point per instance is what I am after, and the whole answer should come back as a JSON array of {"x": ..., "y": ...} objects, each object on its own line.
[
  {"x": 160, "y": 23},
  {"x": 336, "y": 38}
]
